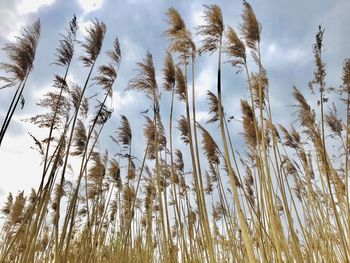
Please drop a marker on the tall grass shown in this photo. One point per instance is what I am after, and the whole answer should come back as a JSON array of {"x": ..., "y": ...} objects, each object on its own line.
[{"x": 284, "y": 197}]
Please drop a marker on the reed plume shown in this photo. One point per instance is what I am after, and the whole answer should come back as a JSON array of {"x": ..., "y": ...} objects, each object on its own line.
[
  {"x": 145, "y": 80},
  {"x": 6, "y": 209},
  {"x": 131, "y": 170},
  {"x": 150, "y": 132},
  {"x": 179, "y": 37},
  {"x": 320, "y": 72},
  {"x": 180, "y": 88},
  {"x": 213, "y": 29},
  {"x": 169, "y": 72},
  {"x": 179, "y": 161},
  {"x": 249, "y": 186},
  {"x": 17, "y": 209},
  {"x": 124, "y": 132},
  {"x": 96, "y": 174},
  {"x": 211, "y": 150},
  {"x": 65, "y": 50},
  {"x": 290, "y": 140},
  {"x": 333, "y": 122},
  {"x": 21, "y": 55},
  {"x": 213, "y": 107},
  {"x": 58, "y": 105},
  {"x": 235, "y": 49},
  {"x": 305, "y": 113},
  {"x": 92, "y": 43},
  {"x": 114, "y": 173},
  {"x": 80, "y": 138},
  {"x": 259, "y": 83},
  {"x": 108, "y": 73},
  {"x": 184, "y": 129},
  {"x": 209, "y": 184},
  {"x": 250, "y": 28},
  {"x": 248, "y": 124}
]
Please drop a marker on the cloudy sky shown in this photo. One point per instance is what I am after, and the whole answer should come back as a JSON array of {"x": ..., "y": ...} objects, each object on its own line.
[{"x": 288, "y": 30}]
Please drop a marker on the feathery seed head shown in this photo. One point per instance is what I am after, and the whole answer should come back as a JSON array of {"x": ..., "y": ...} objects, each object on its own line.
[
  {"x": 115, "y": 54},
  {"x": 132, "y": 170},
  {"x": 249, "y": 185},
  {"x": 213, "y": 29},
  {"x": 320, "y": 71},
  {"x": 145, "y": 81},
  {"x": 21, "y": 54},
  {"x": 210, "y": 148},
  {"x": 209, "y": 185},
  {"x": 184, "y": 129},
  {"x": 288, "y": 138},
  {"x": 175, "y": 22},
  {"x": 80, "y": 138},
  {"x": 6, "y": 209},
  {"x": 234, "y": 48},
  {"x": 250, "y": 28},
  {"x": 65, "y": 49},
  {"x": 106, "y": 77},
  {"x": 150, "y": 134},
  {"x": 124, "y": 132},
  {"x": 169, "y": 73},
  {"x": 259, "y": 82},
  {"x": 93, "y": 42},
  {"x": 248, "y": 124},
  {"x": 180, "y": 38},
  {"x": 213, "y": 107},
  {"x": 114, "y": 172},
  {"x": 16, "y": 214},
  {"x": 333, "y": 122},
  {"x": 180, "y": 88},
  {"x": 305, "y": 114},
  {"x": 179, "y": 160}
]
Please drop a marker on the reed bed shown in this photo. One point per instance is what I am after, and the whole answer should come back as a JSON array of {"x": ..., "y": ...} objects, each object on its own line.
[{"x": 284, "y": 197}]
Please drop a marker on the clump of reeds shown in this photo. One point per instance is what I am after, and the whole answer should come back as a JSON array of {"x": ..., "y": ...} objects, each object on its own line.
[{"x": 283, "y": 197}]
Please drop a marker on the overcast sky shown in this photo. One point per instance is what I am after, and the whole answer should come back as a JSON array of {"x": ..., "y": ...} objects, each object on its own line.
[{"x": 288, "y": 30}]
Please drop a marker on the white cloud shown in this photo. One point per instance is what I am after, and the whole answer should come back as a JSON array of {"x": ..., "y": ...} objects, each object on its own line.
[
  {"x": 39, "y": 93},
  {"x": 14, "y": 15},
  {"x": 205, "y": 81},
  {"x": 197, "y": 17},
  {"x": 133, "y": 2},
  {"x": 131, "y": 50},
  {"x": 83, "y": 25},
  {"x": 13, "y": 26},
  {"x": 202, "y": 116},
  {"x": 31, "y": 6},
  {"x": 121, "y": 100},
  {"x": 20, "y": 165},
  {"x": 10, "y": 23},
  {"x": 277, "y": 55},
  {"x": 90, "y": 5}
]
